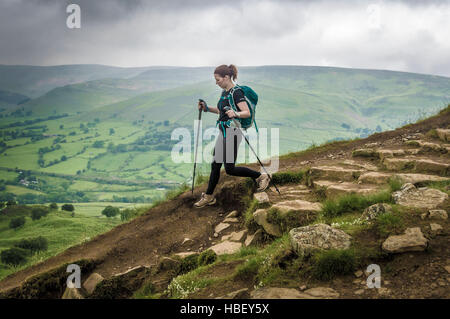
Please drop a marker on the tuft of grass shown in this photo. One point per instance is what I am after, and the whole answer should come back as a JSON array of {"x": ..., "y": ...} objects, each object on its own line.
[
  {"x": 248, "y": 270},
  {"x": 207, "y": 257},
  {"x": 443, "y": 186},
  {"x": 394, "y": 184},
  {"x": 330, "y": 263},
  {"x": 187, "y": 264},
  {"x": 432, "y": 133},
  {"x": 249, "y": 221},
  {"x": 274, "y": 263},
  {"x": 200, "y": 179},
  {"x": 147, "y": 291},
  {"x": 171, "y": 194},
  {"x": 281, "y": 178},
  {"x": 389, "y": 223},
  {"x": 349, "y": 203},
  {"x": 287, "y": 221},
  {"x": 183, "y": 286}
]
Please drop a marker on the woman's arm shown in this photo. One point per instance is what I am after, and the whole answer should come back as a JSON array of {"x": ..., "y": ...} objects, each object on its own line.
[
  {"x": 210, "y": 108},
  {"x": 213, "y": 109},
  {"x": 244, "y": 113}
]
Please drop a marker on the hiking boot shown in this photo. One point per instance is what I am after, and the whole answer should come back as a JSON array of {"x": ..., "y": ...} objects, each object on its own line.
[
  {"x": 263, "y": 182},
  {"x": 205, "y": 200}
]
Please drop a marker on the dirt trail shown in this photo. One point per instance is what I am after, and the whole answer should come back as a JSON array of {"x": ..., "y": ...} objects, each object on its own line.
[
  {"x": 161, "y": 231},
  {"x": 139, "y": 242}
]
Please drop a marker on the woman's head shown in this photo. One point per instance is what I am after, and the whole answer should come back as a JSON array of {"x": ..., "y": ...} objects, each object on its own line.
[{"x": 224, "y": 74}]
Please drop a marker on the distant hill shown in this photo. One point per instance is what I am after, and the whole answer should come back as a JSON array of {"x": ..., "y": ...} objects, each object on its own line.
[
  {"x": 121, "y": 127},
  {"x": 11, "y": 99},
  {"x": 308, "y": 104},
  {"x": 34, "y": 81},
  {"x": 90, "y": 95}
]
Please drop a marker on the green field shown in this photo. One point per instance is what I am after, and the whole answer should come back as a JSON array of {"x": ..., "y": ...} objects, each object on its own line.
[{"x": 60, "y": 229}]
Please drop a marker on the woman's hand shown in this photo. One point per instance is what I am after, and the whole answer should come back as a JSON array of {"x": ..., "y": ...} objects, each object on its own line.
[
  {"x": 231, "y": 114},
  {"x": 202, "y": 106}
]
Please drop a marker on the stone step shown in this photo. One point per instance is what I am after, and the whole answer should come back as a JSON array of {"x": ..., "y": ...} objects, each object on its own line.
[
  {"x": 417, "y": 165},
  {"x": 383, "y": 178},
  {"x": 443, "y": 134},
  {"x": 386, "y": 153},
  {"x": 289, "y": 192},
  {"x": 335, "y": 173},
  {"x": 429, "y": 147},
  {"x": 420, "y": 178},
  {"x": 359, "y": 165},
  {"x": 333, "y": 189},
  {"x": 298, "y": 206},
  {"x": 374, "y": 178}
]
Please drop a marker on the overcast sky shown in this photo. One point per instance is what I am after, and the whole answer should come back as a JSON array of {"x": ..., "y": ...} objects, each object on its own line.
[{"x": 401, "y": 35}]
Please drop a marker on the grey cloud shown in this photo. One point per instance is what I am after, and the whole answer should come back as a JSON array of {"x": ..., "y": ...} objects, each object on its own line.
[{"x": 245, "y": 32}]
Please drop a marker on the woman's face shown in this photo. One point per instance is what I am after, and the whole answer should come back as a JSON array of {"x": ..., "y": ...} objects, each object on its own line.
[{"x": 222, "y": 81}]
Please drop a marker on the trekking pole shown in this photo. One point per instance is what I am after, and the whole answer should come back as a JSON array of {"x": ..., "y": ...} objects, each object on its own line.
[
  {"x": 237, "y": 125},
  {"x": 196, "y": 146}
]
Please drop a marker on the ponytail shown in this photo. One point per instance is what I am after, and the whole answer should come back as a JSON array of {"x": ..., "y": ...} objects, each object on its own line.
[{"x": 230, "y": 70}]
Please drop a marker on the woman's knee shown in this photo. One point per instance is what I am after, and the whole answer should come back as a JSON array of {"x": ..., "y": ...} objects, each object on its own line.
[{"x": 229, "y": 168}]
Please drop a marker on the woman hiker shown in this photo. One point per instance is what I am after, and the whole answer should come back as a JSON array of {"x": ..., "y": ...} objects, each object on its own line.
[{"x": 223, "y": 153}]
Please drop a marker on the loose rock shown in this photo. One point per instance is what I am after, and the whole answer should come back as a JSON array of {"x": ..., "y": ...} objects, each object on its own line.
[
  {"x": 226, "y": 247},
  {"x": 262, "y": 197},
  {"x": 412, "y": 240},
  {"x": 254, "y": 239},
  {"x": 93, "y": 280},
  {"x": 373, "y": 211}
]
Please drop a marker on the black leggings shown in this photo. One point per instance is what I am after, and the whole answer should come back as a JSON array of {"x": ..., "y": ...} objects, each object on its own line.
[{"x": 230, "y": 167}]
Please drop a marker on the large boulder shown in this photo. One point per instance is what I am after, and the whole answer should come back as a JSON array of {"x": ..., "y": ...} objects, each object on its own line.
[
  {"x": 423, "y": 197},
  {"x": 411, "y": 240},
  {"x": 305, "y": 240}
]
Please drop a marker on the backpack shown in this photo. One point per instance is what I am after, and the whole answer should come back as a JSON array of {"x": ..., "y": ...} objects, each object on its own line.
[{"x": 252, "y": 99}]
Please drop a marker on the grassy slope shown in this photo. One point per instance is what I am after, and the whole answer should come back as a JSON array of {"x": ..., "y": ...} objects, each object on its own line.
[{"x": 60, "y": 229}]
